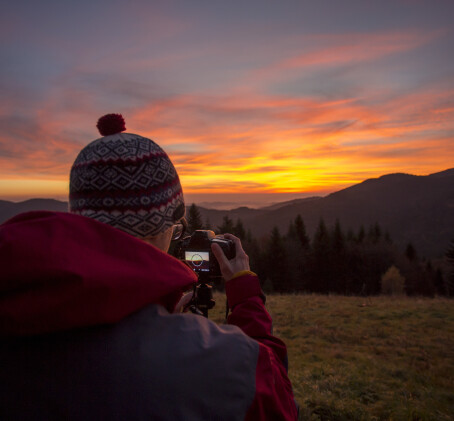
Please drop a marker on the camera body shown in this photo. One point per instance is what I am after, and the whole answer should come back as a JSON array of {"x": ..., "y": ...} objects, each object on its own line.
[{"x": 196, "y": 252}]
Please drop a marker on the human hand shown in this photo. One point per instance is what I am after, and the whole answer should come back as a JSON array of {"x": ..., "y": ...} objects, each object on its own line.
[
  {"x": 230, "y": 267},
  {"x": 183, "y": 303}
]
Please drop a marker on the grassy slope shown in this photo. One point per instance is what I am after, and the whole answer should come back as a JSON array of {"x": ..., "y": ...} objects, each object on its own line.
[{"x": 367, "y": 359}]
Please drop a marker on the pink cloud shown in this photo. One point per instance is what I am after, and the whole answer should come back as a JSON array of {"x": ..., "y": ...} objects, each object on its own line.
[{"x": 328, "y": 51}]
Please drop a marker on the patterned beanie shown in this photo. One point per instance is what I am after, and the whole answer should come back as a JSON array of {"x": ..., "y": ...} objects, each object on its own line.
[{"x": 127, "y": 181}]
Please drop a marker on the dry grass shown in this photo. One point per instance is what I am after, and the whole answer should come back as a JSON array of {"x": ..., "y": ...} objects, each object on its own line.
[{"x": 367, "y": 359}]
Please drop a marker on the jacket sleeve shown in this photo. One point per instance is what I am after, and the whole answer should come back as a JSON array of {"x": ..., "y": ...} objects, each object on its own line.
[{"x": 274, "y": 396}]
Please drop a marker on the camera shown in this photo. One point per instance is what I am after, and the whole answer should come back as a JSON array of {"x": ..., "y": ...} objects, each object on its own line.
[{"x": 196, "y": 252}]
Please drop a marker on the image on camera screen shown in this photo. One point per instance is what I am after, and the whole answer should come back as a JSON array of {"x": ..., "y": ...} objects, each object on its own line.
[{"x": 199, "y": 260}]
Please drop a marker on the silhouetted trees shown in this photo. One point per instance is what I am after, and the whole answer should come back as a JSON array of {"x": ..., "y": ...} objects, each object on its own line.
[
  {"x": 449, "y": 284},
  {"x": 320, "y": 260},
  {"x": 297, "y": 245},
  {"x": 300, "y": 233},
  {"x": 439, "y": 283},
  {"x": 226, "y": 226},
  {"x": 410, "y": 252},
  {"x": 362, "y": 262},
  {"x": 334, "y": 262},
  {"x": 194, "y": 219},
  {"x": 239, "y": 230}
]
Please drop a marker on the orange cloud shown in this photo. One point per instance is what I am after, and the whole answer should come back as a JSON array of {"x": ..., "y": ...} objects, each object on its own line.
[
  {"x": 261, "y": 143},
  {"x": 245, "y": 141}
]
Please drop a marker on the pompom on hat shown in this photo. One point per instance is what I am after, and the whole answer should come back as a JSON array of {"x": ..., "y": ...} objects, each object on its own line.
[
  {"x": 127, "y": 181},
  {"x": 111, "y": 124}
]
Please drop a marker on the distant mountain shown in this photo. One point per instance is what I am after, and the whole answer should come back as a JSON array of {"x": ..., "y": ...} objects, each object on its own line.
[
  {"x": 9, "y": 209},
  {"x": 416, "y": 209},
  {"x": 276, "y": 206},
  {"x": 221, "y": 205}
]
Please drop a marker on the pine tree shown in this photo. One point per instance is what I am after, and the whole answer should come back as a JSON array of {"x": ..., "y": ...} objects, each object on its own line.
[
  {"x": 321, "y": 237},
  {"x": 439, "y": 283},
  {"x": 194, "y": 219},
  {"x": 388, "y": 239},
  {"x": 227, "y": 226},
  {"x": 239, "y": 230},
  {"x": 361, "y": 234},
  {"x": 410, "y": 252},
  {"x": 449, "y": 284},
  {"x": 320, "y": 261},
  {"x": 291, "y": 233},
  {"x": 257, "y": 260},
  {"x": 374, "y": 234},
  {"x": 338, "y": 266},
  {"x": 297, "y": 245},
  {"x": 300, "y": 231},
  {"x": 338, "y": 241},
  {"x": 277, "y": 263},
  {"x": 428, "y": 286}
]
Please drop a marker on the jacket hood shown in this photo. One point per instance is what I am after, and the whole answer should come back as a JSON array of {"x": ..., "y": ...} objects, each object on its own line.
[{"x": 60, "y": 271}]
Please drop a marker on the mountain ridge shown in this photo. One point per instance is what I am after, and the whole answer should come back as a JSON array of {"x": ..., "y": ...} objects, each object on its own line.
[{"x": 412, "y": 208}]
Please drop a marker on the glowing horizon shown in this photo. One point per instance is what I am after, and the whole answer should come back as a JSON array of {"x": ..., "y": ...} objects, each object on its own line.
[{"x": 266, "y": 106}]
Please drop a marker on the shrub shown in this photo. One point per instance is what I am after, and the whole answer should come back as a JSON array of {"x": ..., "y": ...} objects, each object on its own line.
[{"x": 392, "y": 282}]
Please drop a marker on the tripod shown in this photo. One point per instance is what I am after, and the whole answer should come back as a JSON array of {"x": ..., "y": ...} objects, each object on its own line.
[{"x": 202, "y": 298}]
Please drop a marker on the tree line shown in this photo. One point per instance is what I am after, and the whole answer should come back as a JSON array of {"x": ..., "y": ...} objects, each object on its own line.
[{"x": 365, "y": 262}]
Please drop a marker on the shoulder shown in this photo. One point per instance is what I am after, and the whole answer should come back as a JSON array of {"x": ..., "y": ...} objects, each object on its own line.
[
  {"x": 189, "y": 355},
  {"x": 188, "y": 331}
]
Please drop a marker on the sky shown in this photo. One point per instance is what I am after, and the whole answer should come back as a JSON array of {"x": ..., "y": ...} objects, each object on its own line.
[{"x": 254, "y": 101}]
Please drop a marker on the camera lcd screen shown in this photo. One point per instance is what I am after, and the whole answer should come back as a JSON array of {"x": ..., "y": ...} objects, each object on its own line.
[{"x": 198, "y": 260}]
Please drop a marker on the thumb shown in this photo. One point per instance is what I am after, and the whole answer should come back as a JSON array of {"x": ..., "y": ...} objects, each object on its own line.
[{"x": 220, "y": 256}]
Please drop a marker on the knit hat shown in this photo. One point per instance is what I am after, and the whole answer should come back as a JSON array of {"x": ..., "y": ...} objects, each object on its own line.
[{"x": 127, "y": 181}]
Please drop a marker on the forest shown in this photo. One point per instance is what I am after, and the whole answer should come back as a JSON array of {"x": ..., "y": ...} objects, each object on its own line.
[{"x": 366, "y": 262}]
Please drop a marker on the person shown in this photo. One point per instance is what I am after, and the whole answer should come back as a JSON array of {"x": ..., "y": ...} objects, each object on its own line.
[{"x": 90, "y": 321}]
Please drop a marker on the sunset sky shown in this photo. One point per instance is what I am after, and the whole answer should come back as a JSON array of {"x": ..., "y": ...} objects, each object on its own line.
[{"x": 248, "y": 98}]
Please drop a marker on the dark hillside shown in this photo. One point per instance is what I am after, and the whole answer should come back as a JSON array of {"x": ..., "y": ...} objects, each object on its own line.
[
  {"x": 417, "y": 209},
  {"x": 9, "y": 209}
]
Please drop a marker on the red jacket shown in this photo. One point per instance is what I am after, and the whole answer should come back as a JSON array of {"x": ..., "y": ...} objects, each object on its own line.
[{"x": 62, "y": 274}]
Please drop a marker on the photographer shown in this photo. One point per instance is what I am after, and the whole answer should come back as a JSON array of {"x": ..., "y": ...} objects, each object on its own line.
[{"x": 90, "y": 327}]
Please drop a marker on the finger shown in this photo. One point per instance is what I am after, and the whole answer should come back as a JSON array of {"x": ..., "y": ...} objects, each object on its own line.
[
  {"x": 231, "y": 236},
  {"x": 220, "y": 256},
  {"x": 237, "y": 241}
]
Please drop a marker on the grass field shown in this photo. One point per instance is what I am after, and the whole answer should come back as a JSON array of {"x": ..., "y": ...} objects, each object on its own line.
[{"x": 378, "y": 358}]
